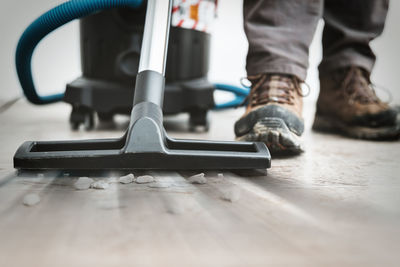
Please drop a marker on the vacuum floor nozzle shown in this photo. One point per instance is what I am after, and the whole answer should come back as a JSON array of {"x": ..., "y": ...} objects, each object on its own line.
[{"x": 144, "y": 146}]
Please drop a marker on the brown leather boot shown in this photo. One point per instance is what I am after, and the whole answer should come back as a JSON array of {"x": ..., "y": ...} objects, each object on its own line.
[
  {"x": 273, "y": 113},
  {"x": 348, "y": 104}
]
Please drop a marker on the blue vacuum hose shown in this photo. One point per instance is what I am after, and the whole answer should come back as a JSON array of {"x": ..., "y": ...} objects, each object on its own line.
[
  {"x": 239, "y": 92},
  {"x": 63, "y": 14},
  {"x": 47, "y": 23}
]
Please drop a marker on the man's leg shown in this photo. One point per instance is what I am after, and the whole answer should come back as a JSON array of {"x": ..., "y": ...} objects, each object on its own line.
[
  {"x": 347, "y": 102},
  {"x": 279, "y": 34},
  {"x": 350, "y": 26}
]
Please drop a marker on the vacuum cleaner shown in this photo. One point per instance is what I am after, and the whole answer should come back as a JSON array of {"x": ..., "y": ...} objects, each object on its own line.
[
  {"x": 110, "y": 42},
  {"x": 110, "y": 49},
  {"x": 145, "y": 145}
]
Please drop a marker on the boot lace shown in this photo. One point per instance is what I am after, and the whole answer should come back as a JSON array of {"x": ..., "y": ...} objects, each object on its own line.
[
  {"x": 358, "y": 87},
  {"x": 273, "y": 88}
]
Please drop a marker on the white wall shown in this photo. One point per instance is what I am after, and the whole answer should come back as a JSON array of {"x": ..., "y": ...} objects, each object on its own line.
[{"x": 56, "y": 61}]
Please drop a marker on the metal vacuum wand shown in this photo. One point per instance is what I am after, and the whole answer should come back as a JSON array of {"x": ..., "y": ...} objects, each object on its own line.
[{"x": 153, "y": 56}]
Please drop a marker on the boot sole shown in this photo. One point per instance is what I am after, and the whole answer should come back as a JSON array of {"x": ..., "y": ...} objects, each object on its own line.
[
  {"x": 331, "y": 125},
  {"x": 276, "y": 135}
]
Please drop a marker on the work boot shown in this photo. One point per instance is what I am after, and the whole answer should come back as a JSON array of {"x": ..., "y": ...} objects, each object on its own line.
[
  {"x": 348, "y": 104},
  {"x": 273, "y": 113}
]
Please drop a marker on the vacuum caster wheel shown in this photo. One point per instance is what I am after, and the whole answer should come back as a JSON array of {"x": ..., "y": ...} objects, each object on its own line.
[
  {"x": 74, "y": 125},
  {"x": 199, "y": 121},
  {"x": 82, "y": 116},
  {"x": 105, "y": 116},
  {"x": 89, "y": 121}
]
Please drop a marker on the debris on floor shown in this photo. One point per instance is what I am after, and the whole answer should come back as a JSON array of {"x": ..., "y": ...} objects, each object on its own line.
[
  {"x": 174, "y": 206},
  {"x": 83, "y": 183},
  {"x": 198, "y": 179},
  {"x": 220, "y": 175},
  {"x": 127, "y": 179},
  {"x": 231, "y": 194},
  {"x": 31, "y": 199},
  {"x": 40, "y": 175},
  {"x": 112, "y": 180},
  {"x": 158, "y": 185},
  {"x": 144, "y": 179},
  {"x": 101, "y": 184}
]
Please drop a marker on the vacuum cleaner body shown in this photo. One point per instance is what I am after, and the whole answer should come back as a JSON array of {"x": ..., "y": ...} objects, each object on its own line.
[{"x": 110, "y": 51}]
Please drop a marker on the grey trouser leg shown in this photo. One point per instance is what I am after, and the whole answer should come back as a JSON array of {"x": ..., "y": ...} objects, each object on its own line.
[
  {"x": 279, "y": 34},
  {"x": 350, "y": 25}
]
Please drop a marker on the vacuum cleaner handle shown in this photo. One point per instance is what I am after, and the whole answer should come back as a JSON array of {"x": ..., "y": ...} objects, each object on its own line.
[
  {"x": 150, "y": 80},
  {"x": 155, "y": 37}
]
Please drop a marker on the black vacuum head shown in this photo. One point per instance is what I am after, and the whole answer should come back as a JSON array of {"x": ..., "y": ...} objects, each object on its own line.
[{"x": 144, "y": 146}]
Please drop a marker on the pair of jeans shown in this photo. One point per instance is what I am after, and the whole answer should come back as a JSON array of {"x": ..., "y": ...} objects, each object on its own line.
[{"x": 280, "y": 32}]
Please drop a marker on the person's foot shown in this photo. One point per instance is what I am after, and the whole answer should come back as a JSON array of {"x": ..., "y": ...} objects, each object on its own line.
[
  {"x": 273, "y": 113},
  {"x": 347, "y": 104}
]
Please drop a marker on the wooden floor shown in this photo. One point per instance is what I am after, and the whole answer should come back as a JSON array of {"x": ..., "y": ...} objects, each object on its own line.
[{"x": 338, "y": 204}]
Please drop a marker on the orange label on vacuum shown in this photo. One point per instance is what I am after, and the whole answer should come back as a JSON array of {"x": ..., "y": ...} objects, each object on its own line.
[{"x": 194, "y": 14}]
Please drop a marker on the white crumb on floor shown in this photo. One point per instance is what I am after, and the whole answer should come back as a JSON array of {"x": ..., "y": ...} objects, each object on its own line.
[
  {"x": 158, "y": 185},
  {"x": 31, "y": 199},
  {"x": 66, "y": 174},
  {"x": 231, "y": 194},
  {"x": 113, "y": 180},
  {"x": 100, "y": 185},
  {"x": 40, "y": 175},
  {"x": 144, "y": 179},
  {"x": 83, "y": 183},
  {"x": 175, "y": 206},
  {"x": 127, "y": 179},
  {"x": 198, "y": 179},
  {"x": 220, "y": 175}
]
